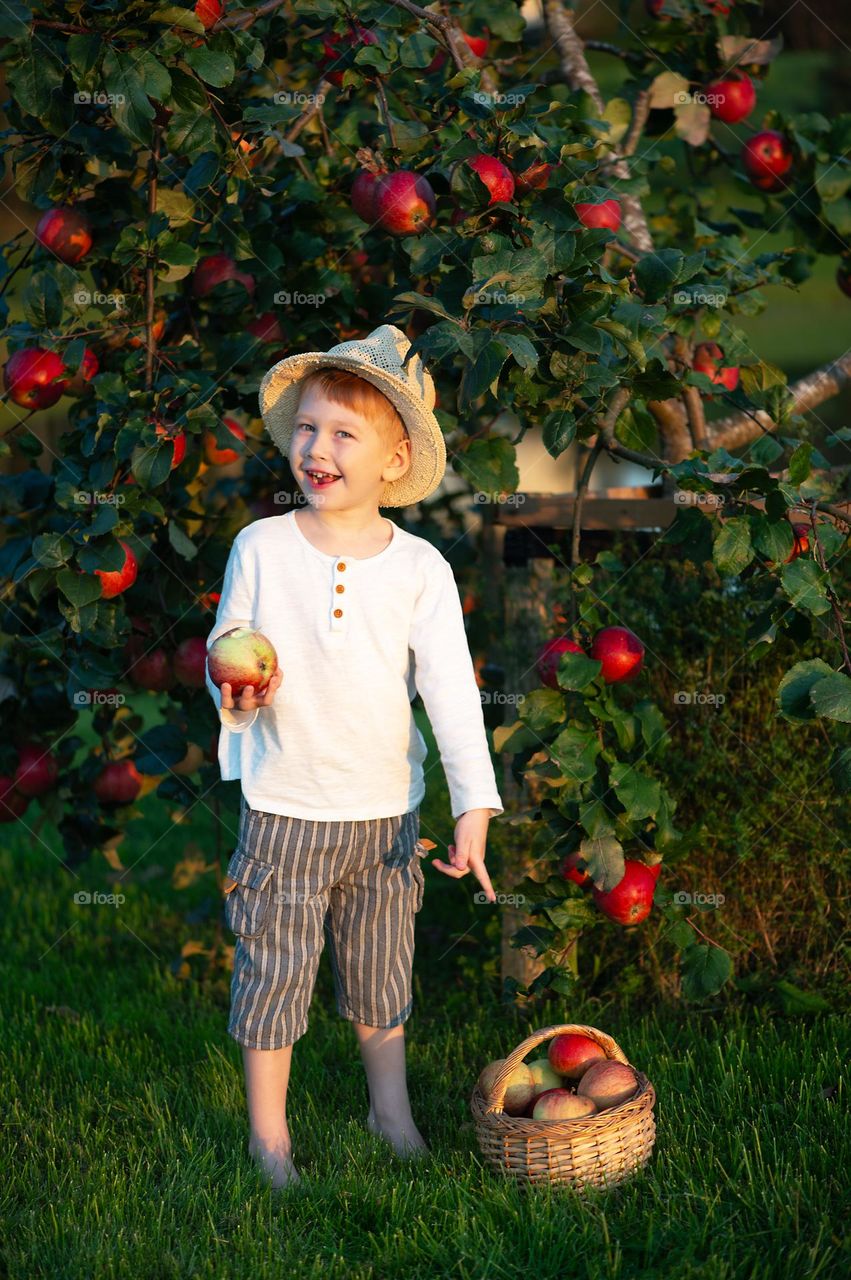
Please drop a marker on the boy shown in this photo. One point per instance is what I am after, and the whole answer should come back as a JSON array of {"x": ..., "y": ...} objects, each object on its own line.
[{"x": 362, "y": 615}]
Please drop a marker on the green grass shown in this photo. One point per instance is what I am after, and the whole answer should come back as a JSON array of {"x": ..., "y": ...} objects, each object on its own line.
[{"x": 125, "y": 1128}]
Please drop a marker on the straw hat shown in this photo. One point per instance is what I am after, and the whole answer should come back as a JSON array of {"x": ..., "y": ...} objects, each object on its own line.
[{"x": 378, "y": 358}]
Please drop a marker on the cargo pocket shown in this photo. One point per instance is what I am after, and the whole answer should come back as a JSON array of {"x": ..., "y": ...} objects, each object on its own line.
[{"x": 248, "y": 895}]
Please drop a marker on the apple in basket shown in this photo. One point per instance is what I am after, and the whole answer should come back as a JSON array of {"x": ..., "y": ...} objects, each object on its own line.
[
  {"x": 543, "y": 1076},
  {"x": 242, "y": 657},
  {"x": 519, "y": 1088},
  {"x": 562, "y": 1104},
  {"x": 571, "y": 1054},
  {"x": 608, "y": 1084}
]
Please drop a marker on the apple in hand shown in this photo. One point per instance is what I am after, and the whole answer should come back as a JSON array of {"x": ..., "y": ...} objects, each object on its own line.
[
  {"x": 66, "y": 232},
  {"x": 631, "y": 900},
  {"x": 549, "y": 656},
  {"x": 571, "y": 1054},
  {"x": 621, "y": 653},
  {"x": 242, "y": 657},
  {"x": 603, "y": 213},
  {"x": 732, "y": 99},
  {"x": 562, "y": 1104},
  {"x": 708, "y": 359}
]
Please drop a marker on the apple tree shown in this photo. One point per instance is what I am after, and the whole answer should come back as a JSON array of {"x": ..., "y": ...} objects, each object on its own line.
[{"x": 213, "y": 187}]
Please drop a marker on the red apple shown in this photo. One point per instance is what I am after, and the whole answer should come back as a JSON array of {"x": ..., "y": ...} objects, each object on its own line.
[
  {"x": 732, "y": 99},
  {"x": 562, "y": 1104},
  {"x": 801, "y": 543},
  {"x": 66, "y": 233},
  {"x": 178, "y": 441},
  {"x": 654, "y": 870},
  {"x": 571, "y": 1054},
  {"x": 631, "y": 900},
  {"x": 608, "y": 1084},
  {"x": 266, "y": 328},
  {"x": 214, "y": 270},
  {"x": 549, "y": 657},
  {"x": 89, "y": 366},
  {"x": 568, "y": 870},
  {"x": 34, "y": 377},
  {"x": 496, "y": 176},
  {"x": 403, "y": 203},
  {"x": 766, "y": 156},
  {"x": 149, "y": 668},
  {"x": 519, "y": 1087},
  {"x": 535, "y": 178},
  {"x": 118, "y": 783},
  {"x": 363, "y": 195},
  {"x": 331, "y": 53},
  {"x": 190, "y": 662},
  {"x": 209, "y": 11},
  {"x": 605, "y": 213},
  {"x": 209, "y": 600},
  {"x": 621, "y": 653},
  {"x": 133, "y": 340},
  {"x": 477, "y": 45},
  {"x": 12, "y": 803},
  {"x": 217, "y": 457},
  {"x": 708, "y": 357},
  {"x": 654, "y": 7},
  {"x": 843, "y": 278},
  {"x": 114, "y": 581},
  {"x": 37, "y": 770},
  {"x": 242, "y": 657}
]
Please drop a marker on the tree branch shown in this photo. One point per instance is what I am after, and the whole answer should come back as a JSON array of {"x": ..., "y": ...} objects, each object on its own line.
[
  {"x": 820, "y": 385},
  {"x": 578, "y": 75}
]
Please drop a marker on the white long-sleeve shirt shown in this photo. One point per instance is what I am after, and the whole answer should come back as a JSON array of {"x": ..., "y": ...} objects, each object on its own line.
[{"x": 356, "y": 640}]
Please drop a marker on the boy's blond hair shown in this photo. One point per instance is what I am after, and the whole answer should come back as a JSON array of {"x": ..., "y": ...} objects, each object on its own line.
[{"x": 362, "y": 397}]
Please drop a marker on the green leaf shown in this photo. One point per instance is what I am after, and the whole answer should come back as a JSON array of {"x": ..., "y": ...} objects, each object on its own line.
[
  {"x": 806, "y": 585},
  {"x": 151, "y": 464},
  {"x": 513, "y": 738},
  {"x": 773, "y": 538},
  {"x": 575, "y": 752},
  {"x": 559, "y": 431},
  {"x": 604, "y": 861},
  {"x": 183, "y": 545},
  {"x": 571, "y": 914},
  {"x": 417, "y": 50},
  {"x": 793, "y": 1000},
  {"x": 541, "y": 709},
  {"x": 831, "y": 697},
  {"x": 175, "y": 16},
  {"x": 681, "y": 935},
  {"x": 51, "y": 550},
  {"x": 159, "y": 749},
  {"x": 732, "y": 550},
  {"x": 482, "y": 373},
  {"x": 80, "y": 588},
  {"x": 653, "y": 726},
  {"x": 705, "y": 969},
  {"x": 800, "y": 465},
  {"x": 793, "y": 692},
  {"x": 42, "y": 301},
  {"x": 638, "y": 793},
  {"x": 585, "y": 337},
  {"x": 489, "y": 465},
  {"x": 656, "y": 272},
  {"x": 534, "y": 936},
  {"x": 576, "y": 670},
  {"x": 214, "y": 66},
  {"x": 132, "y": 111}
]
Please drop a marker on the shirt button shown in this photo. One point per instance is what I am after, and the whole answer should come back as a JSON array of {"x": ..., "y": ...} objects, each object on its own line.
[
  {"x": 339, "y": 589},
  {"x": 341, "y": 565},
  {"x": 338, "y": 613}
]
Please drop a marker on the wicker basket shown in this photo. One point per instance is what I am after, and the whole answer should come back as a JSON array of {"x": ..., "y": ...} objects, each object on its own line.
[{"x": 600, "y": 1150}]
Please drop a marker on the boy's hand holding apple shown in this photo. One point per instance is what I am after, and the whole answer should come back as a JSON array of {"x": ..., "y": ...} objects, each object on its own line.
[
  {"x": 248, "y": 700},
  {"x": 240, "y": 662}
]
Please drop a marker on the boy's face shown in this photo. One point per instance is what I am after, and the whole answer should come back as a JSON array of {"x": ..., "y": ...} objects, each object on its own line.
[{"x": 330, "y": 437}]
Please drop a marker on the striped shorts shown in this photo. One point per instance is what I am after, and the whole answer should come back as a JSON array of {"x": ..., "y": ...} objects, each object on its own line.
[{"x": 290, "y": 878}]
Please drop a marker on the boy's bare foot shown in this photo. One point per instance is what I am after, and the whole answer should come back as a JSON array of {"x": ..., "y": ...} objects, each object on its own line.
[
  {"x": 403, "y": 1136},
  {"x": 275, "y": 1163}
]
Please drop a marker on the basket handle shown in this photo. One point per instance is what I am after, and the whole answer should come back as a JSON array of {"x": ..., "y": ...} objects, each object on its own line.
[{"x": 611, "y": 1047}]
